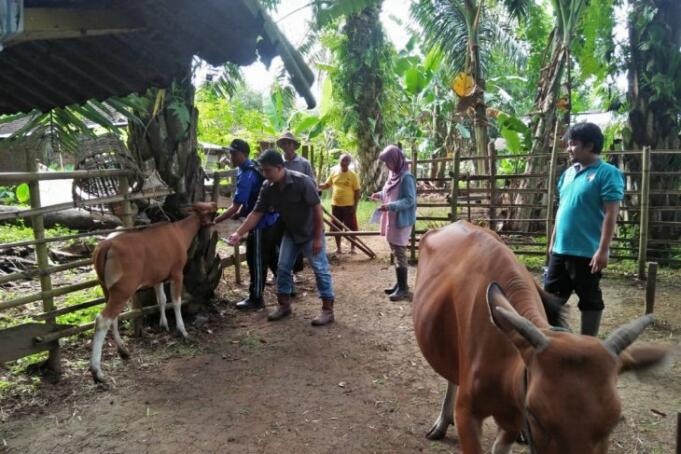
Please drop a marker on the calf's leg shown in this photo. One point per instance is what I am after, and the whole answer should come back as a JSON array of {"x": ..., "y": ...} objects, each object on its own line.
[
  {"x": 446, "y": 417},
  {"x": 122, "y": 351},
  {"x": 504, "y": 442},
  {"x": 102, "y": 324},
  {"x": 176, "y": 295},
  {"x": 161, "y": 300}
]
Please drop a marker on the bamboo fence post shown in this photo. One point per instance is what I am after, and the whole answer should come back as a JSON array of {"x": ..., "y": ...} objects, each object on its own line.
[
  {"x": 645, "y": 208},
  {"x": 650, "y": 287},
  {"x": 53, "y": 362},
  {"x": 454, "y": 195},
  {"x": 468, "y": 191},
  {"x": 237, "y": 264},
  {"x": 549, "y": 192},
  {"x": 415, "y": 171},
  {"x": 492, "y": 153},
  {"x": 678, "y": 433}
]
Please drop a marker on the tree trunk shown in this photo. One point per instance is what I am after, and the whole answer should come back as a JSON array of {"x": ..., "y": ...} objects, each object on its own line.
[
  {"x": 653, "y": 116},
  {"x": 167, "y": 138},
  {"x": 543, "y": 126},
  {"x": 363, "y": 90}
]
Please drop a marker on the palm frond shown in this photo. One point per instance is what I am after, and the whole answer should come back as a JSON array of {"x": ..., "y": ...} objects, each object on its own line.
[{"x": 228, "y": 81}]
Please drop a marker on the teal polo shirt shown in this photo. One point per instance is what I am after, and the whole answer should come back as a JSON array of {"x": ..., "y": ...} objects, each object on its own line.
[{"x": 582, "y": 194}]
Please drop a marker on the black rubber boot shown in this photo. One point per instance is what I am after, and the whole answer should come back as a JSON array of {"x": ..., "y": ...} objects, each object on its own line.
[
  {"x": 402, "y": 292},
  {"x": 591, "y": 321},
  {"x": 391, "y": 290},
  {"x": 249, "y": 304}
]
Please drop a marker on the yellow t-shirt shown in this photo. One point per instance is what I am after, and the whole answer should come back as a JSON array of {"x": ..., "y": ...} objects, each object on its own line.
[{"x": 344, "y": 185}]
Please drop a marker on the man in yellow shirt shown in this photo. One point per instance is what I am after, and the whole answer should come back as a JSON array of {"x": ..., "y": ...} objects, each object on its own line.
[{"x": 344, "y": 197}]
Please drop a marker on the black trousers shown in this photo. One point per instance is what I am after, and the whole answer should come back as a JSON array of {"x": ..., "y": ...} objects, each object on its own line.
[
  {"x": 261, "y": 254},
  {"x": 568, "y": 273}
]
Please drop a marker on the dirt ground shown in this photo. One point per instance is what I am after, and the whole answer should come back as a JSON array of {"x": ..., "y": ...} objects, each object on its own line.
[{"x": 243, "y": 385}]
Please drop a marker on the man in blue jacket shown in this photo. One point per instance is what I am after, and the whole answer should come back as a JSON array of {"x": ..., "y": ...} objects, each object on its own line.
[
  {"x": 590, "y": 191},
  {"x": 261, "y": 243}
]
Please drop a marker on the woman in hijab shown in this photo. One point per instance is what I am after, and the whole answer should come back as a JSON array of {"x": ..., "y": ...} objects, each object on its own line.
[{"x": 398, "y": 199}]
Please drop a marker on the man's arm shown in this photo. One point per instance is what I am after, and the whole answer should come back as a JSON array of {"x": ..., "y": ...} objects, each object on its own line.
[
  {"x": 318, "y": 220},
  {"x": 229, "y": 213},
  {"x": 358, "y": 195},
  {"x": 323, "y": 186},
  {"x": 600, "y": 258},
  {"x": 249, "y": 224}
]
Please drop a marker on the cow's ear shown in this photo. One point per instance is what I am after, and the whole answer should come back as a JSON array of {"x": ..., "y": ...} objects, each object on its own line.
[
  {"x": 524, "y": 335},
  {"x": 496, "y": 299},
  {"x": 642, "y": 357}
]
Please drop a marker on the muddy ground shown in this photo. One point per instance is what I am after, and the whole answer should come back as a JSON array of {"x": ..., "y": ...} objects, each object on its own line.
[{"x": 243, "y": 385}]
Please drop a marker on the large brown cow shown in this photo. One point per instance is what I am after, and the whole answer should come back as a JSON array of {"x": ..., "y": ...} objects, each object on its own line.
[{"x": 481, "y": 323}]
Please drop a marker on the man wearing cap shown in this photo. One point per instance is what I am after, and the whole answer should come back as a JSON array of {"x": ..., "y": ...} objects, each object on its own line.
[
  {"x": 295, "y": 197},
  {"x": 261, "y": 241}
]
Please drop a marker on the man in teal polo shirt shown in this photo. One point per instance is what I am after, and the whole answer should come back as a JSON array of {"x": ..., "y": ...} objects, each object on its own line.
[{"x": 589, "y": 192}]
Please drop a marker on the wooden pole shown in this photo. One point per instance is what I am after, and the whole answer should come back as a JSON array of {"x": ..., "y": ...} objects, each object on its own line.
[
  {"x": 454, "y": 194},
  {"x": 650, "y": 287},
  {"x": 237, "y": 264},
  {"x": 492, "y": 153},
  {"x": 678, "y": 433},
  {"x": 53, "y": 362},
  {"x": 414, "y": 169},
  {"x": 550, "y": 196},
  {"x": 468, "y": 191},
  {"x": 351, "y": 240},
  {"x": 347, "y": 233},
  {"x": 645, "y": 208}
]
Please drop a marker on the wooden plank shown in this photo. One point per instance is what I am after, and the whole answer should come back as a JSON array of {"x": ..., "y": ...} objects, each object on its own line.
[
  {"x": 48, "y": 294},
  {"x": 49, "y": 270},
  {"x": 650, "y": 287},
  {"x": 27, "y": 177},
  {"x": 17, "y": 341},
  {"x": 69, "y": 309}
]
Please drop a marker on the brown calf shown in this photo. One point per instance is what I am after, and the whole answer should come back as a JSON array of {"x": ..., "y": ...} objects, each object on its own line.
[
  {"x": 480, "y": 321},
  {"x": 127, "y": 262}
]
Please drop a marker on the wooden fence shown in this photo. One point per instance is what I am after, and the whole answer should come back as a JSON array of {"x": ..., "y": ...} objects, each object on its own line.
[
  {"x": 44, "y": 333},
  {"x": 491, "y": 198}
]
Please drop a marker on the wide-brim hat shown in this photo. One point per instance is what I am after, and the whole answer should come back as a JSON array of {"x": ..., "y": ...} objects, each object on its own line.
[{"x": 288, "y": 136}]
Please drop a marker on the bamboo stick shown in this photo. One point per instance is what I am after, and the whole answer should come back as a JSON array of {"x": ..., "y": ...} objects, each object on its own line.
[
  {"x": 59, "y": 291},
  {"x": 645, "y": 202},
  {"x": 53, "y": 362},
  {"x": 345, "y": 228},
  {"x": 83, "y": 203},
  {"x": 352, "y": 240},
  {"x": 454, "y": 194},
  {"x": 550, "y": 187},
  {"x": 650, "y": 287},
  {"x": 28, "y": 177},
  {"x": 46, "y": 271},
  {"x": 415, "y": 171},
  {"x": 70, "y": 309}
]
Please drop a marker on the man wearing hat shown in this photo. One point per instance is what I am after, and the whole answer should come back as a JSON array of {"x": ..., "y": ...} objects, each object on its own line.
[
  {"x": 289, "y": 144},
  {"x": 295, "y": 197},
  {"x": 261, "y": 242},
  {"x": 292, "y": 161}
]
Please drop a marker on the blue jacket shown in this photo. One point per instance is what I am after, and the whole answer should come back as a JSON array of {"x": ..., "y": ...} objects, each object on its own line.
[{"x": 405, "y": 205}]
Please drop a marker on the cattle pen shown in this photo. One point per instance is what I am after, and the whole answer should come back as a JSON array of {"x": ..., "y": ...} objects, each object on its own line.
[{"x": 44, "y": 331}]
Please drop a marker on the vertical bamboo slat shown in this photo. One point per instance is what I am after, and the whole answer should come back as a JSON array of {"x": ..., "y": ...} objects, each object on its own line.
[
  {"x": 645, "y": 208},
  {"x": 454, "y": 194},
  {"x": 415, "y": 171},
  {"x": 549, "y": 194},
  {"x": 53, "y": 362},
  {"x": 492, "y": 153}
]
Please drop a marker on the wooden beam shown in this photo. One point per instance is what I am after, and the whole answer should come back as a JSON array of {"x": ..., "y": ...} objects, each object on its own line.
[{"x": 63, "y": 23}]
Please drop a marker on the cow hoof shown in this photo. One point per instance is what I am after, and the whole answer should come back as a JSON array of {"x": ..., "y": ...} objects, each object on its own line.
[
  {"x": 123, "y": 353},
  {"x": 439, "y": 430},
  {"x": 99, "y": 379}
]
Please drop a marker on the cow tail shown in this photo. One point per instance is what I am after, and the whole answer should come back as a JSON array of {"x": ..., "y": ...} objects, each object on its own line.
[{"x": 99, "y": 262}]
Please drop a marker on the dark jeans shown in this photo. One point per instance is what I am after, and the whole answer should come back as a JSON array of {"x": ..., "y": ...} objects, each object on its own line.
[
  {"x": 568, "y": 273},
  {"x": 280, "y": 231},
  {"x": 261, "y": 253}
]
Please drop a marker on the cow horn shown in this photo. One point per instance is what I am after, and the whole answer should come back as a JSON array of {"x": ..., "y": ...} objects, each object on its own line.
[
  {"x": 625, "y": 335},
  {"x": 525, "y": 328}
]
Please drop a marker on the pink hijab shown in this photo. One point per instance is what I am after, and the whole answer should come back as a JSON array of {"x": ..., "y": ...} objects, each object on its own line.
[{"x": 394, "y": 159}]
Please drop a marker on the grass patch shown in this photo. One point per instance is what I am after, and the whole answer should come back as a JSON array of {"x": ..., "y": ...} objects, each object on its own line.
[{"x": 85, "y": 315}]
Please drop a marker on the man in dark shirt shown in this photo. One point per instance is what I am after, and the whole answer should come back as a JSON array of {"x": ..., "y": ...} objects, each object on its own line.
[
  {"x": 261, "y": 243},
  {"x": 294, "y": 196}
]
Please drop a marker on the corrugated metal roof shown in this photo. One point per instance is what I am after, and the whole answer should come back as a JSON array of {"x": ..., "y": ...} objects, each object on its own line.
[{"x": 49, "y": 73}]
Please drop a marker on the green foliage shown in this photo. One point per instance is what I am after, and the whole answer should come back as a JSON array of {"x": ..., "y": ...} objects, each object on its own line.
[
  {"x": 329, "y": 11},
  {"x": 85, "y": 315},
  {"x": 21, "y": 232},
  {"x": 8, "y": 195},
  {"x": 517, "y": 134}
]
